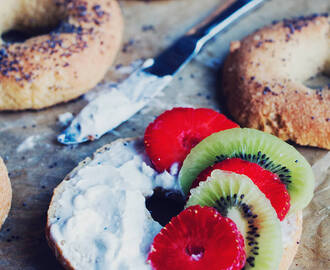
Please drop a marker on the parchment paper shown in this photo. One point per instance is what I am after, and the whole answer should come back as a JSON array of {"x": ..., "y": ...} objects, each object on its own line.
[{"x": 39, "y": 164}]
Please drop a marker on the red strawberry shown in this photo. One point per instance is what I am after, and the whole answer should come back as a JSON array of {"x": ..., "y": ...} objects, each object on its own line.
[
  {"x": 198, "y": 238},
  {"x": 269, "y": 183},
  {"x": 171, "y": 136}
]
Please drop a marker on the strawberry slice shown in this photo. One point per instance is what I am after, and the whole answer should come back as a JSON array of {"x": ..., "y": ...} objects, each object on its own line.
[
  {"x": 171, "y": 136},
  {"x": 198, "y": 238},
  {"x": 269, "y": 183}
]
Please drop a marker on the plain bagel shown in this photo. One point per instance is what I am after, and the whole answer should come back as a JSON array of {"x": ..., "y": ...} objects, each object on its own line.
[
  {"x": 264, "y": 75},
  {"x": 5, "y": 193},
  {"x": 293, "y": 223},
  {"x": 62, "y": 64}
]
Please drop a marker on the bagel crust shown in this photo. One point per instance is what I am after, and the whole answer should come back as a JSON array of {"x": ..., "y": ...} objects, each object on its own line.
[
  {"x": 62, "y": 65},
  {"x": 290, "y": 249},
  {"x": 290, "y": 246},
  {"x": 5, "y": 193},
  {"x": 264, "y": 75}
]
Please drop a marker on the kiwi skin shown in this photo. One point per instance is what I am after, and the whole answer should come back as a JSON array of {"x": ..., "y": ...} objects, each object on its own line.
[
  {"x": 255, "y": 146},
  {"x": 254, "y": 215}
]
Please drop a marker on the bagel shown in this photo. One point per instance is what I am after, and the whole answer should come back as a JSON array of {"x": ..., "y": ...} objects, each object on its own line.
[
  {"x": 63, "y": 64},
  {"x": 69, "y": 249},
  {"x": 5, "y": 193},
  {"x": 264, "y": 75}
]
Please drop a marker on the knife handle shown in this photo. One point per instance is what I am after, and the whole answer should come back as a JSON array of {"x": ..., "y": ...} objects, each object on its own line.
[
  {"x": 185, "y": 48},
  {"x": 220, "y": 19}
]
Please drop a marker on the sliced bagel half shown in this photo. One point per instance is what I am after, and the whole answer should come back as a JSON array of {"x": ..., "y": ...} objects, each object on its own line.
[
  {"x": 83, "y": 214},
  {"x": 5, "y": 192}
]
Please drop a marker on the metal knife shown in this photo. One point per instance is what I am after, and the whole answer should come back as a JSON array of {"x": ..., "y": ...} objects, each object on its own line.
[{"x": 117, "y": 104}]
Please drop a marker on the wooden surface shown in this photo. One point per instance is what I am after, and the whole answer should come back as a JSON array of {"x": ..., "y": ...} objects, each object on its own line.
[{"x": 150, "y": 27}]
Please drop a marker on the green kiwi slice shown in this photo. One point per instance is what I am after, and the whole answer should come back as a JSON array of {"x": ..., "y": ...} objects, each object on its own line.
[
  {"x": 255, "y": 146},
  {"x": 235, "y": 196}
]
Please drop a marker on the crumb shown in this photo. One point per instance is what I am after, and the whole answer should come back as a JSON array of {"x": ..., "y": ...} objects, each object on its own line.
[{"x": 149, "y": 27}]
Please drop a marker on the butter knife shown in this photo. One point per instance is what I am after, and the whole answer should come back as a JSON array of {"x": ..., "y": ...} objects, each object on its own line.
[{"x": 117, "y": 104}]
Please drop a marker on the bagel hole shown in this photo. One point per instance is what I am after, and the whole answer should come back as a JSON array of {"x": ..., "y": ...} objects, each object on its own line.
[
  {"x": 20, "y": 35},
  {"x": 165, "y": 204},
  {"x": 318, "y": 81}
]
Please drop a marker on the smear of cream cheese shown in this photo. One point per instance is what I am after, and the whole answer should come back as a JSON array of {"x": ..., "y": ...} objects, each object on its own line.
[
  {"x": 65, "y": 118},
  {"x": 115, "y": 105},
  {"x": 101, "y": 221},
  {"x": 28, "y": 143}
]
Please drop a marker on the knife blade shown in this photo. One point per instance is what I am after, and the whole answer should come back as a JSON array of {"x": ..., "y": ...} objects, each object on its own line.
[{"x": 116, "y": 105}]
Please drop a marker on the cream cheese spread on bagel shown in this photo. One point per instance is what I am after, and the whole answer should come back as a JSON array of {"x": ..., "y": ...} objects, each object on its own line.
[{"x": 98, "y": 218}]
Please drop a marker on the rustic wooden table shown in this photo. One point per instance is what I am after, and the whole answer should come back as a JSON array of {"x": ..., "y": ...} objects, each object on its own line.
[{"x": 150, "y": 26}]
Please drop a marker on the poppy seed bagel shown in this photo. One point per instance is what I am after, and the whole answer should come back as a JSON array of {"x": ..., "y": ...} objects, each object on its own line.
[
  {"x": 5, "y": 193},
  {"x": 62, "y": 64},
  {"x": 67, "y": 251},
  {"x": 264, "y": 75}
]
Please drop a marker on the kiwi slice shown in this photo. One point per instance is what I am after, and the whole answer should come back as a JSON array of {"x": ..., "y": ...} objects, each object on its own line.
[
  {"x": 235, "y": 196},
  {"x": 255, "y": 146}
]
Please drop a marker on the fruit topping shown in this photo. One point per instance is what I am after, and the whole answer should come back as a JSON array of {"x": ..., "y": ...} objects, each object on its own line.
[
  {"x": 171, "y": 136},
  {"x": 198, "y": 238},
  {"x": 268, "y": 182},
  {"x": 235, "y": 196},
  {"x": 268, "y": 151}
]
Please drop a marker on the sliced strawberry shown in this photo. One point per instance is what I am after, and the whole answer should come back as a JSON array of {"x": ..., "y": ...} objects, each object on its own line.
[
  {"x": 171, "y": 136},
  {"x": 199, "y": 238},
  {"x": 269, "y": 183}
]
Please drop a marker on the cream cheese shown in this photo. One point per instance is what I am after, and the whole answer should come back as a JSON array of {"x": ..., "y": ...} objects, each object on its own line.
[
  {"x": 65, "y": 118},
  {"x": 101, "y": 221},
  {"x": 28, "y": 144},
  {"x": 114, "y": 104}
]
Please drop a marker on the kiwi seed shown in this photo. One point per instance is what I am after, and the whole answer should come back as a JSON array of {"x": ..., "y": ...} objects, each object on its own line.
[{"x": 264, "y": 161}]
